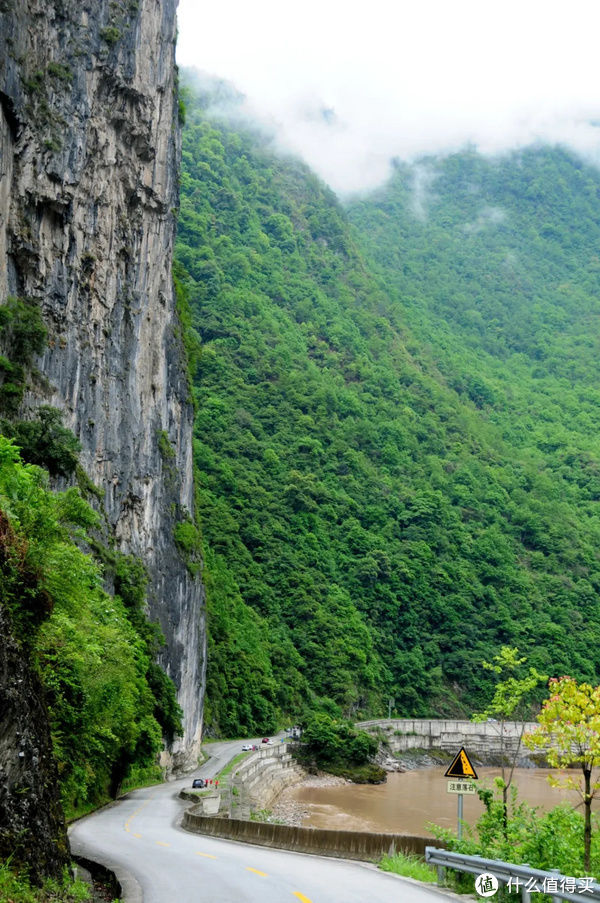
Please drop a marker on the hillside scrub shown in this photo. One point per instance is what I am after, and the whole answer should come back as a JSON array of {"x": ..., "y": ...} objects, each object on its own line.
[{"x": 552, "y": 840}]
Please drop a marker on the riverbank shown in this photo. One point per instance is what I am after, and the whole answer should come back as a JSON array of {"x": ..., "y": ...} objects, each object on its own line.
[{"x": 287, "y": 809}]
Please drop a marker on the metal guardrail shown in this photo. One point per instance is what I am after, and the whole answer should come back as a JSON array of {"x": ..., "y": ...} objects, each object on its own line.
[{"x": 520, "y": 879}]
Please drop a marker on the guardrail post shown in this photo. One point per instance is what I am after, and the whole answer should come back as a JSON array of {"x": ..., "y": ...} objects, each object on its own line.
[
  {"x": 441, "y": 874},
  {"x": 556, "y": 873}
]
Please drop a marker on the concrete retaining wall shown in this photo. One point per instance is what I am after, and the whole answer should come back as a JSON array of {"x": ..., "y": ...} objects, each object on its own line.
[
  {"x": 342, "y": 844},
  {"x": 254, "y": 784},
  {"x": 259, "y": 779},
  {"x": 483, "y": 741}
]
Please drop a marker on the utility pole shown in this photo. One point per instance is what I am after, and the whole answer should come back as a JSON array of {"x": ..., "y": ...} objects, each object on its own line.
[{"x": 391, "y": 702}]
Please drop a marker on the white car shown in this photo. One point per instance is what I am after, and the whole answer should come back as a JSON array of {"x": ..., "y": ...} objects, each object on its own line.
[{"x": 246, "y": 747}]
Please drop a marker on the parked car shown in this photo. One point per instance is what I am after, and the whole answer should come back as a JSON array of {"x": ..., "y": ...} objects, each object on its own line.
[
  {"x": 246, "y": 747},
  {"x": 265, "y": 740},
  {"x": 198, "y": 782}
]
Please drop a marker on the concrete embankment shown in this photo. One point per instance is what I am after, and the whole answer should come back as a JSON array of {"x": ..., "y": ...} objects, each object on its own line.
[
  {"x": 362, "y": 845},
  {"x": 261, "y": 777},
  {"x": 486, "y": 741},
  {"x": 254, "y": 784}
]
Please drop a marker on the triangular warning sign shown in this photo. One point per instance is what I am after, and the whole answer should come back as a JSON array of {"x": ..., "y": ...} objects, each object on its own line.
[{"x": 461, "y": 767}]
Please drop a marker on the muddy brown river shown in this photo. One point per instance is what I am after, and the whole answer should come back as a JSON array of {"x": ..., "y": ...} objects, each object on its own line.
[{"x": 407, "y": 801}]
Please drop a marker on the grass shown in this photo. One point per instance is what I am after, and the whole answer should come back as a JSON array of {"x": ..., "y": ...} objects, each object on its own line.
[
  {"x": 140, "y": 777},
  {"x": 231, "y": 765},
  {"x": 15, "y": 887},
  {"x": 265, "y": 815},
  {"x": 143, "y": 777},
  {"x": 73, "y": 813},
  {"x": 409, "y": 865}
]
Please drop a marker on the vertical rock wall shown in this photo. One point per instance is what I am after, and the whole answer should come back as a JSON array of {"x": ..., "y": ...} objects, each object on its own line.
[
  {"x": 32, "y": 828},
  {"x": 89, "y": 145}
]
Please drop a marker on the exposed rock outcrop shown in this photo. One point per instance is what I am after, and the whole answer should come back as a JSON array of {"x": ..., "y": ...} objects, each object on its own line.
[
  {"x": 32, "y": 828},
  {"x": 89, "y": 145}
]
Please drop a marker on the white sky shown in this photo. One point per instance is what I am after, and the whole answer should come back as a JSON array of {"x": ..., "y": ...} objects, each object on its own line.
[{"x": 404, "y": 78}]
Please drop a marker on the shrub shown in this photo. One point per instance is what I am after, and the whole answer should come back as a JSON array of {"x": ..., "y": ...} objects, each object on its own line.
[
  {"x": 22, "y": 335},
  {"x": 45, "y": 441}
]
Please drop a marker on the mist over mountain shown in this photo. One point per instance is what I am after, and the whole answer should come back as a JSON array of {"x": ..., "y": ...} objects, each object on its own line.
[{"x": 404, "y": 80}]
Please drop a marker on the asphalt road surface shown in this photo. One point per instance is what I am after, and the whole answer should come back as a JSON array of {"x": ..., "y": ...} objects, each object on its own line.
[{"x": 141, "y": 835}]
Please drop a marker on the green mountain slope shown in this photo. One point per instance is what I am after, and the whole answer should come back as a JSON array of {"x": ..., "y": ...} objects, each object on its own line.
[
  {"x": 496, "y": 271},
  {"x": 500, "y": 273},
  {"x": 370, "y": 528}
]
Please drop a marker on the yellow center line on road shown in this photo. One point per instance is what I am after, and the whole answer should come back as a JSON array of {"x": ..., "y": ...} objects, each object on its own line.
[
  {"x": 256, "y": 872},
  {"x": 206, "y": 855},
  {"x": 131, "y": 817},
  {"x": 162, "y": 843},
  {"x": 301, "y": 897}
]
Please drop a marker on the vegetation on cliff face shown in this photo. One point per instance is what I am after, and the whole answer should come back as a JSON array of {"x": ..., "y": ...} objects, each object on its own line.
[
  {"x": 383, "y": 499},
  {"x": 22, "y": 335},
  {"x": 110, "y": 704},
  {"x": 107, "y": 699}
]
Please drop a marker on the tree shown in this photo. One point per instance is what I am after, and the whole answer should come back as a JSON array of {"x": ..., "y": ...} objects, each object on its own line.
[
  {"x": 569, "y": 734},
  {"x": 509, "y": 702},
  {"x": 337, "y": 746}
]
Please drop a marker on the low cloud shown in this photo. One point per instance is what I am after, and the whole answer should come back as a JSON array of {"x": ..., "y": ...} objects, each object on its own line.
[
  {"x": 424, "y": 176},
  {"x": 348, "y": 90},
  {"x": 488, "y": 216}
]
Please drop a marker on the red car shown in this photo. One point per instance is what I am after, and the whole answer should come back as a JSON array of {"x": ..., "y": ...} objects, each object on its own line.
[{"x": 265, "y": 740}]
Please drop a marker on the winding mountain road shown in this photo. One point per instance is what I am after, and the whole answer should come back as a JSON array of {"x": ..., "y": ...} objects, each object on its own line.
[{"x": 140, "y": 837}]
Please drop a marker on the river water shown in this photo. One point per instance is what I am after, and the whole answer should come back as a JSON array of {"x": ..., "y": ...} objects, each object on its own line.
[{"x": 407, "y": 801}]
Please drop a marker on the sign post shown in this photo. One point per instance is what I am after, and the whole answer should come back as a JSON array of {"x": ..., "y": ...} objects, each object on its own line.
[{"x": 461, "y": 768}]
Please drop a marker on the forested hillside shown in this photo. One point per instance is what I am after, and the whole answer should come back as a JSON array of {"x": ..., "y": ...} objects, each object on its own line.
[
  {"x": 378, "y": 514},
  {"x": 495, "y": 266}
]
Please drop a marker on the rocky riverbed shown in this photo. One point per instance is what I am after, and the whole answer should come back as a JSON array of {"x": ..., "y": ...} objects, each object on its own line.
[{"x": 289, "y": 811}]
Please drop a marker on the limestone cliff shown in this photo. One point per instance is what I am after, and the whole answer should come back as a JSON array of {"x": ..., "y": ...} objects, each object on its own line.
[{"x": 89, "y": 145}]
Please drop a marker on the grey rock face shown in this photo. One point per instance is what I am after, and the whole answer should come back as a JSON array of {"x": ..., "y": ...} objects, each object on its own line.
[
  {"x": 89, "y": 146},
  {"x": 32, "y": 828}
]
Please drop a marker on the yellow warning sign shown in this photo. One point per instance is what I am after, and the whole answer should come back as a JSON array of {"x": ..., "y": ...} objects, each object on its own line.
[{"x": 461, "y": 767}]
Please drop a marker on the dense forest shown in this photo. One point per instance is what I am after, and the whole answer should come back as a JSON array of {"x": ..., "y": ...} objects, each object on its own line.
[{"x": 396, "y": 443}]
